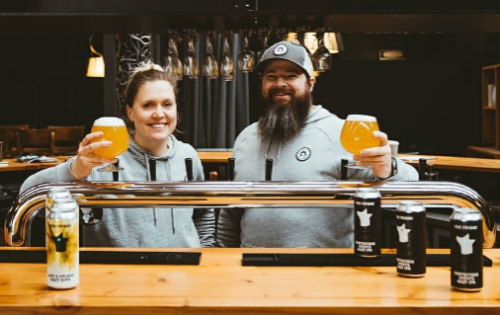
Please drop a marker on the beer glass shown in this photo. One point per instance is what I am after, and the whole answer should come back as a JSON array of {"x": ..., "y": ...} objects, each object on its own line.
[
  {"x": 321, "y": 59},
  {"x": 191, "y": 65},
  {"x": 357, "y": 134},
  {"x": 246, "y": 57},
  {"x": 227, "y": 64},
  {"x": 114, "y": 130},
  {"x": 173, "y": 65}
]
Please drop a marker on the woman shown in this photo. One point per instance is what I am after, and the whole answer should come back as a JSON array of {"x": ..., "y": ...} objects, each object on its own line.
[{"x": 151, "y": 113}]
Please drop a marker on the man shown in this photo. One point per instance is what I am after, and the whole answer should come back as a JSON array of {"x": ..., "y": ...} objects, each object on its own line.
[{"x": 304, "y": 141}]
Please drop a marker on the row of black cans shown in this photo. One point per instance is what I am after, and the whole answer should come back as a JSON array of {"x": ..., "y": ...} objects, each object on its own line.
[{"x": 466, "y": 238}]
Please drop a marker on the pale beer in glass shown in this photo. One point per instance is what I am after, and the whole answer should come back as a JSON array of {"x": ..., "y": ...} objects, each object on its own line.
[
  {"x": 357, "y": 135},
  {"x": 114, "y": 130}
]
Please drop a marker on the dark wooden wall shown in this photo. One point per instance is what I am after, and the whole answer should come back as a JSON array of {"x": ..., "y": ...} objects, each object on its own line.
[
  {"x": 429, "y": 102},
  {"x": 44, "y": 80}
]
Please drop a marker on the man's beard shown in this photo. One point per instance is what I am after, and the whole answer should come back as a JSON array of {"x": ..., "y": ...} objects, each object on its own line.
[{"x": 284, "y": 121}]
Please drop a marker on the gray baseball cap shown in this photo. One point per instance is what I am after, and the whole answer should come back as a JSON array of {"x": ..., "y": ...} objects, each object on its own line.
[{"x": 285, "y": 50}]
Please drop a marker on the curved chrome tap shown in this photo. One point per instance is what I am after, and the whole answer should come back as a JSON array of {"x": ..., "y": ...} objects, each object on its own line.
[{"x": 244, "y": 194}]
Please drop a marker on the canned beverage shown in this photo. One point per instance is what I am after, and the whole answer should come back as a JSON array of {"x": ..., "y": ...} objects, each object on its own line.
[
  {"x": 367, "y": 218},
  {"x": 55, "y": 193},
  {"x": 412, "y": 239},
  {"x": 62, "y": 244},
  {"x": 466, "y": 250}
]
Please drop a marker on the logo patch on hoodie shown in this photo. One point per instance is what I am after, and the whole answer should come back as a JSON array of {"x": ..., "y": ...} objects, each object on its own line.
[{"x": 303, "y": 154}]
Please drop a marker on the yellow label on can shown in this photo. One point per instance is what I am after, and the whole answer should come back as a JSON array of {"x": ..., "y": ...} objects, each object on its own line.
[{"x": 62, "y": 253}]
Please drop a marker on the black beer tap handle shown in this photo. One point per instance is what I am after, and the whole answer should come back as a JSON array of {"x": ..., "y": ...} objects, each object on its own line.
[
  {"x": 422, "y": 163},
  {"x": 189, "y": 169},
  {"x": 152, "y": 169},
  {"x": 269, "y": 169},
  {"x": 230, "y": 169},
  {"x": 116, "y": 176},
  {"x": 343, "y": 169}
]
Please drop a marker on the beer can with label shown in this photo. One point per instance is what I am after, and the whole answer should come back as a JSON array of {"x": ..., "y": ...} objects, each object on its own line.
[
  {"x": 412, "y": 239},
  {"x": 55, "y": 193},
  {"x": 466, "y": 237},
  {"x": 367, "y": 216},
  {"x": 63, "y": 244}
]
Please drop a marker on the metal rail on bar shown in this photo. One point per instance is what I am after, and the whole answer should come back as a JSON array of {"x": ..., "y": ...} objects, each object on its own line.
[{"x": 219, "y": 194}]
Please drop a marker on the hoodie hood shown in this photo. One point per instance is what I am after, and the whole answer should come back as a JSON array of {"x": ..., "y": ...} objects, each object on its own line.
[
  {"x": 317, "y": 113},
  {"x": 140, "y": 154}
]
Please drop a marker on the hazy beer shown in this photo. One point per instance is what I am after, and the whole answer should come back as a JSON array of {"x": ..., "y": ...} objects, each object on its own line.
[
  {"x": 357, "y": 133},
  {"x": 114, "y": 130}
]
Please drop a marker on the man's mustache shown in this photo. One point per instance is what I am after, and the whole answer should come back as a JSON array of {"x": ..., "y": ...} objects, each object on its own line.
[{"x": 280, "y": 91}]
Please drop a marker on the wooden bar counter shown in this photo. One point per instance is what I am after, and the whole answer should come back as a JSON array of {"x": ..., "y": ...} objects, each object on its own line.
[
  {"x": 439, "y": 162},
  {"x": 220, "y": 285}
]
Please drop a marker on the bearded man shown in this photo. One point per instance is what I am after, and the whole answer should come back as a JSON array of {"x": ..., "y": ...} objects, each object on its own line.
[{"x": 304, "y": 142}]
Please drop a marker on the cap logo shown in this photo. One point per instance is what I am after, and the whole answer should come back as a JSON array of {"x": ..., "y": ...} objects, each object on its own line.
[{"x": 280, "y": 50}]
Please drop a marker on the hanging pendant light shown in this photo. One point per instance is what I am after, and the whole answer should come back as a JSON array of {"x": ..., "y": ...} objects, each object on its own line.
[
  {"x": 311, "y": 41},
  {"x": 333, "y": 42},
  {"x": 95, "y": 67}
]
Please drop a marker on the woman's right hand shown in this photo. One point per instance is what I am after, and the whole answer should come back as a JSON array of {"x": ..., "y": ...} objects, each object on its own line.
[{"x": 86, "y": 160}]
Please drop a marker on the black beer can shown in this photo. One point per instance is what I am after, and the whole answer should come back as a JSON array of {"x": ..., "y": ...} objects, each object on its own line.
[
  {"x": 412, "y": 239},
  {"x": 466, "y": 250},
  {"x": 367, "y": 216}
]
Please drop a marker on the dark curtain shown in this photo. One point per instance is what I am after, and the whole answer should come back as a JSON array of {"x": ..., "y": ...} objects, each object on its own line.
[{"x": 213, "y": 111}]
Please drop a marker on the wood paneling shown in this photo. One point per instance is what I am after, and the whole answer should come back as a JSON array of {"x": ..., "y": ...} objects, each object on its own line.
[{"x": 220, "y": 285}]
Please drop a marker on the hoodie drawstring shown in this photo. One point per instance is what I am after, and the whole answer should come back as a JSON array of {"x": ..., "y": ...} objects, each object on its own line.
[{"x": 269, "y": 147}]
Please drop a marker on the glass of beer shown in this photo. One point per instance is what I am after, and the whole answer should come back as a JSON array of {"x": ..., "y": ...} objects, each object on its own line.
[
  {"x": 357, "y": 135},
  {"x": 114, "y": 130}
]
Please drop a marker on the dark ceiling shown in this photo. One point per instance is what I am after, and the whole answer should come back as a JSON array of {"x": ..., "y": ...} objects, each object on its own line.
[{"x": 357, "y": 16}]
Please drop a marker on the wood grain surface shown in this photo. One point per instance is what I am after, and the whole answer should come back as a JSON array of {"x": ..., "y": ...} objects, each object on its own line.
[
  {"x": 220, "y": 285},
  {"x": 440, "y": 162},
  {"x": 460, "y": 163}
]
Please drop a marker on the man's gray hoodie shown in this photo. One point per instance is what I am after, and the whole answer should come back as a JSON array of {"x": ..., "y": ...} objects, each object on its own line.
[
  {"x": 313, "y": 155},
  {"x": 143, "y": 227}
]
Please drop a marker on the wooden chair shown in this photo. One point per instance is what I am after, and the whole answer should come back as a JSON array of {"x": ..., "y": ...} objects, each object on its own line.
[
  {"x": 8, "y": 137},
  {"x": 35, "y": 141},
  {"x": 68, "y": 138}
]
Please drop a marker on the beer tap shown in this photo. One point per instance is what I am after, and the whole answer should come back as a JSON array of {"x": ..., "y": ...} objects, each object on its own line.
[
  {"x": 343, "y": 169},
  {"x": 269, "y": 169},
  {"x": 422, "y": 163},
  {"x": 116, "y": 176},
  {"x": 189, "y": 169},
  {"x": 152, "y": 169},
  {"x": 230, "y": 169},
  {"x": 431, "y": 175}
]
